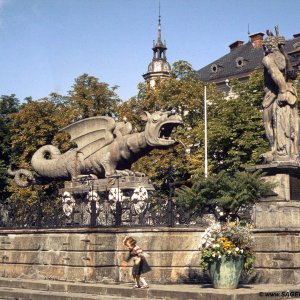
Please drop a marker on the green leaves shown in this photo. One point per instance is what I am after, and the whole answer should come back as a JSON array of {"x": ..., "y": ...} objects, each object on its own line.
[
  {"x": 236, "y": 134},
  {"x": 8, "y": 104},
  {"x": 89, "y": 97},
  {"x": 229, "y": 192}
]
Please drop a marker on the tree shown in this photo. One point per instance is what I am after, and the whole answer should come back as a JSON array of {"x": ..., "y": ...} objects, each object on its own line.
[
  {"x": 89, "y": 97},
  {"x": 224, "y": 191},
  {"x": 8, "y": 104},
  {"x": 36, "y": 124},
  {"x": 182, "y": 69},
  {"x": 236, "y": 134}
]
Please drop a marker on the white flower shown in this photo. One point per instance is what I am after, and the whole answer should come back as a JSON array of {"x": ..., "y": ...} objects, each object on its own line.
[
  {"x": 237, "y": 249},
  {"x": 213, "y": 255},
  {"x": 241, "y": 250},
  {"x": 228, "y": 251}
]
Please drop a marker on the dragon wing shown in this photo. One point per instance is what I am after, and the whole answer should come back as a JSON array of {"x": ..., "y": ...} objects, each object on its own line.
[{"x": 91, "y": 134}]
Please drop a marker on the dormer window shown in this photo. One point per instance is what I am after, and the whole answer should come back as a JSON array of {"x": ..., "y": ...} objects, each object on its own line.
[
  {"x": 240, "y": 62},
  {"x": 214, "y": 68}
]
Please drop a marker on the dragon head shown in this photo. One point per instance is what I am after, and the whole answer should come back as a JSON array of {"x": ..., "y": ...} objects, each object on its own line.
[{"x": 159, "y": 127}]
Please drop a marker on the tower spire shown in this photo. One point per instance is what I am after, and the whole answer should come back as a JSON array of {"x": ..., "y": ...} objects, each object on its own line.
[
  {"x": 159, "y": 30},
  {"x": 159, "y": 24},
  {"x": 159, "y": 67}
]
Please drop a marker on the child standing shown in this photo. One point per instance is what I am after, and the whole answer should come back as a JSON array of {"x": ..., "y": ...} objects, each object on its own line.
[{"x": 140, "y": 265}]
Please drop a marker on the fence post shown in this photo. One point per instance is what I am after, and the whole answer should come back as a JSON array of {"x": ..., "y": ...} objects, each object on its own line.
[
  {"x": 39, "y": 212},
  {"x": 93, "y": 214},
  {"x": 170, "y": 213}
]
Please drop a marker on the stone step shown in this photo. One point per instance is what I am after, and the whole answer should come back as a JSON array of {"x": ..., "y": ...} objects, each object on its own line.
[
  {"x": 28, "y": 294},
  {"x": 33, "y": 289}
]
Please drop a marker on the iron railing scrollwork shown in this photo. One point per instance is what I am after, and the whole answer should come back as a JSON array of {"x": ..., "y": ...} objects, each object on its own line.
[
  {"x": 96, "y": 210},
  {"x": 90, "y": 202}
]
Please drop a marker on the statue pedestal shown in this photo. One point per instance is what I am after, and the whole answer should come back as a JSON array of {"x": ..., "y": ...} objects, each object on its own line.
[
  {"x": 276, "y": 220},
  {"x": 280, "y": 209}
]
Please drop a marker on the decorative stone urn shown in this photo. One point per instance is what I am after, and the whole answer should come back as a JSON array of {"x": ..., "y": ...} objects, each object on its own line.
[{"x": 225, "y": 272}]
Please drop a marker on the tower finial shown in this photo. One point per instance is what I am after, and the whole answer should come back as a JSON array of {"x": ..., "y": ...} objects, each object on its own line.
[
  {"x": 159, "y": 25},
  {"x": 159, "y": 8}
]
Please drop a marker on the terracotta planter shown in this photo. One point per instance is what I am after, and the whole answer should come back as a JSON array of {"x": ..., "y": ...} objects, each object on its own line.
[{"x": 225, "y": 272}]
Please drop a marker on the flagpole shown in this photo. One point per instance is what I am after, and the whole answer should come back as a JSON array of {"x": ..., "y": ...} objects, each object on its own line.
[{"x": 205, "y": 135}]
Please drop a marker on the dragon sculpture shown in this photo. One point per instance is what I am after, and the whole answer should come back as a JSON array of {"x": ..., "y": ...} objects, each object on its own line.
[{"x": 104, "y": 148}]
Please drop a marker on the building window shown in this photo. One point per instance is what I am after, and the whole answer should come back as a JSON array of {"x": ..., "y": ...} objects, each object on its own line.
[
  {"x": 240, "y": 62},
  {"x": 214, "y": 68}
]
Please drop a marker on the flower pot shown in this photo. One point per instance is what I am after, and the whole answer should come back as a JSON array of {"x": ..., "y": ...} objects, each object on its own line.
[{"x": 226, "y": 271}]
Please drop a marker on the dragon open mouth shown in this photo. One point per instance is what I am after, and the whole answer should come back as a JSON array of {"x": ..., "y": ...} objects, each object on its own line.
[{"x": 166, "y": 129}]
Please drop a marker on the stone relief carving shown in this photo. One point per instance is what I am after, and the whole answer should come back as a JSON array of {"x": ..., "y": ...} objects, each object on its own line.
[
  {"x": 69, "y": 203},
  {"x": 138, "y": 200},
  {"x": 280, "y": 114},
  {"x": 93, "y": 198}
]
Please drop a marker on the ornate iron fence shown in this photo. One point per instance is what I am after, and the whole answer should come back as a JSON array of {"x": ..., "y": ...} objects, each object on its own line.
[
  {"x": 89, "y": 202},
  {"x": 129, "y": 202},
  {"x": 98, "y": 211}
]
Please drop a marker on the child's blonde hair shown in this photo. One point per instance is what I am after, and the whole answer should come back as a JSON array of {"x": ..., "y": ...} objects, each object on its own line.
[{"x": 129, "y": 240}]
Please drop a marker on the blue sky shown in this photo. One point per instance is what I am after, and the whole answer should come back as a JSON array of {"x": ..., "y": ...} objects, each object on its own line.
[{"x": 46, "y": 44}]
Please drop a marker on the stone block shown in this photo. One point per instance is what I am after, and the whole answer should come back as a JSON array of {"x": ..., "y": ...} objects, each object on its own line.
[
  {"x": 282, "y": 185},
  {"x": 103, "y": 274},
  {"x": 167, "y": 275},
  {"x": 168, "y": 258},
  {"x": 277, "y": 241},
  {"x": 90, "y": 241},
  {"x": 19, "y": 270},
  {"x": 277, "y": 260},
  {"x": 276, "y": 276},
  {"x": 277, "y": 215},
  {"x": 21, "y": 242},
  {"x": 163, "y": 241}
]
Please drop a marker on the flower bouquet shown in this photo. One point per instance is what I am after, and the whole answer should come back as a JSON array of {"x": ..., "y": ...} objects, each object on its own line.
[{"x": 226, "y": 251}]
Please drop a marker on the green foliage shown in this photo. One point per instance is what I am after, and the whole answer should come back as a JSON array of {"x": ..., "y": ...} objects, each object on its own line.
[
  {"x": 236, "y": 136},
  {"x": 8, "y": 104},
  {"x": 182, "y": 69},
  {"x": 36, "y": 124},
  {"x": 229, "y": 192},
  {"x": 89, "y": 97}
]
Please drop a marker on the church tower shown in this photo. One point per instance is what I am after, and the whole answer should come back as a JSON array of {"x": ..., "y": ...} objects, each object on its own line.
[{"x": 158, "y": 67}]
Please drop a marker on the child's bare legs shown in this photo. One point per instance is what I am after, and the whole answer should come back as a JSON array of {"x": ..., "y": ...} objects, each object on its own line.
[
  {"x": 137, "y": 280},
  {"x": 143, "y": 281}
]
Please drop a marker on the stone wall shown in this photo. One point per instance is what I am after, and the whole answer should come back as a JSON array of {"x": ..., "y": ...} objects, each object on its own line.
[
  {"x": 94, "y": 255},
  {"x": 277, "y": 256}
]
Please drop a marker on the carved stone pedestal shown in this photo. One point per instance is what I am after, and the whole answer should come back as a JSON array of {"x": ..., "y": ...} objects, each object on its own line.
[{"x": 276, "y": 220}]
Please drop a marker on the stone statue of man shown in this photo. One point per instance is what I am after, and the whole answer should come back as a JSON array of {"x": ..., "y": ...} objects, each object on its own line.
[{"x": 280, "y": 115}]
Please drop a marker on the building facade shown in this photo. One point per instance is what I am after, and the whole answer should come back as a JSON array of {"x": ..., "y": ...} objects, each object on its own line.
[{"x": 243, "y": 59}]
